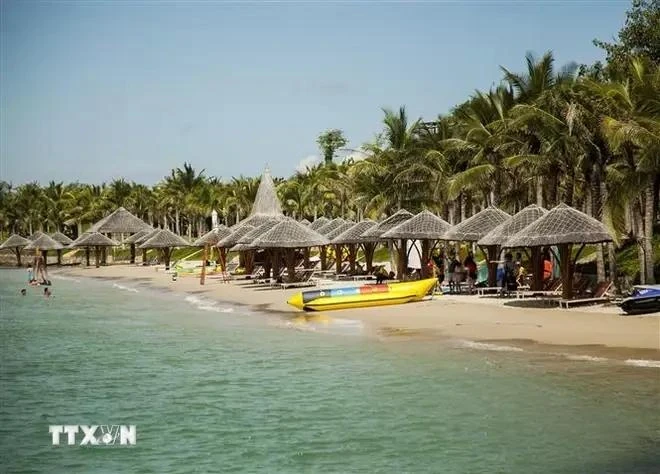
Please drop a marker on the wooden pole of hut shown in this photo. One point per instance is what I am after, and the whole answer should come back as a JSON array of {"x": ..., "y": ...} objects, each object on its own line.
[
  {"x": 338, "y": 257},
  {"x": 323, "y": 256},
  {"x": 88, "y": 256},
  {"x": 369, "y": 250},
  {"x": 59, "y": 257},
  {"x": 97, "y": 255},
  {"x": 566, "y": 270},
  {"x": 132, "y": 253},
  {"x": 352, "y": 257},
  {"x": 144, "y": 257},
  {"x": 290, "y": 255}
]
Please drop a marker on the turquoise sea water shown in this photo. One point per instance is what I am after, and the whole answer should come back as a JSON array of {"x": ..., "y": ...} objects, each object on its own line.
[{"x": 218, "y": 388}]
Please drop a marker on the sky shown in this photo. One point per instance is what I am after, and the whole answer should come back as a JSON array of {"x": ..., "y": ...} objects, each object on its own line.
[{"x": 93, "y": 91}]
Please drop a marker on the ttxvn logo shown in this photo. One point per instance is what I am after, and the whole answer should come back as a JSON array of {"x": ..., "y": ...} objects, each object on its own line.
[{"x": 95, "y": 435}]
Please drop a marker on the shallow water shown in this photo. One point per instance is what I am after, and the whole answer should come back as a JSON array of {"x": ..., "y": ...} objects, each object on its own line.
[{"x": 213, "y": 387}]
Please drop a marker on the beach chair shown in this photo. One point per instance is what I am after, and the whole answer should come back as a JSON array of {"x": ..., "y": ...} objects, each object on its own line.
[
  {"x": 601, "y": 295},
  {"x": 302, "y": 280},
  {"x": 553, "y": 289},
  {"x": 256, "y": 273}
]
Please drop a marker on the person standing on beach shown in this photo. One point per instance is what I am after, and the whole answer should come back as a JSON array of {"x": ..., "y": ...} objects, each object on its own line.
[
  {"x": 439, "y": 261},
  {"x": 471, "y": 269},
  {"x": 30, "y": 274}
]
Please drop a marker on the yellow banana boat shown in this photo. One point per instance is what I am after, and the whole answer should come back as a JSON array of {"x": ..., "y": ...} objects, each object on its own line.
[{"x": 362, "y": 296}]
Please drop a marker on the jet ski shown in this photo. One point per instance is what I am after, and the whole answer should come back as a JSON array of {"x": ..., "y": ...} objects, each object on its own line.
[{"x": 643, "y": 299}]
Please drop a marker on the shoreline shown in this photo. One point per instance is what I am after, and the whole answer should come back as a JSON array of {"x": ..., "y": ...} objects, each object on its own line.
[{"x": 593, "y": 331}]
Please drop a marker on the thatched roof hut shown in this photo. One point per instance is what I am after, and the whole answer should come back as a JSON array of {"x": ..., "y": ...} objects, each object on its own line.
[
  {"x": 250, "y": 237},
  {"x": 318, "y": 223},
  {"x": 292, "y": 235},
  {"x": 352, "y": 238},
  {"x": 44, "y": 242},
  {"x": 376, "y": 232},
  {"x": 120, "y": 221},
  {"x": 93, "y": 239},
  {"x": 14, "y": 241},
  {"x": 266, "y": 204},
  {"x": 237, "y": 233},
  {"x": 164, "y": 238},
  {"x": 423, "y": 226},
  {"x": 61, "y": 238},
  {"x": 353, "y": 235},
  {"x": 510, "y": 227},
  {"x": 338, "y": 230},
  {"x": 305, "y": 222},
  {"x": 35, "y": 235},
  {"x": 149, "y": 233},
  {"x": 213, "y": 236},
  {"x": 134, "y": 238},
  {"x": 561, "y": 225},
  {"x": 477, "y": 226},
  {"x": 330, "y": 226}
]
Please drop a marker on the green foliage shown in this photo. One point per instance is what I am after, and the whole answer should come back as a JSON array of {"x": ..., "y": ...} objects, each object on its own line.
[{"x": 329, "y": 142}]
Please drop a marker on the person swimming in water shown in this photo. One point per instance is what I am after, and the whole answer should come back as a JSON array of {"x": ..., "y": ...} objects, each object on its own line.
[
  {"x": 47, "y": 292},
  {"x": 23, "y": 292}
]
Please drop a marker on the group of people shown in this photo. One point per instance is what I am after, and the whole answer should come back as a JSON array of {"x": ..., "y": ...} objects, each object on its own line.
[
  {"x": 37, "y": 276},
  {"x": 457, "y": 270}
]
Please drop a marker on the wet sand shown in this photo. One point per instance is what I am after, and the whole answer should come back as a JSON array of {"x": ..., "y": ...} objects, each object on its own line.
[{"x": 593, "y": 330}]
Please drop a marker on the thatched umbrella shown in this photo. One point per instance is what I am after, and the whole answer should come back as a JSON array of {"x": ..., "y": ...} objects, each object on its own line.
[
  {"x": 210, "y": 239},
  {"x": 15, "y": 242},
  {"x": 352, "y": 238},
  {"x": 64, "y": 240},
  {"x": 305, "y": 222},
  {"x": 35, "y": 235},
  {"x": 376, "y": 234},
  {"x": 325, "y": 229},
  {"x": 562, "y": 226},
  {"x": 290, "y": 235},
  {"x": 318, "y": 223},
  {"x": 339, "y": 248},
  {"x": 500, "y": 235},
  {"x": 246, "y": 243},
  {"x": 120, "y": 221},
  {"x": 96, "y": 240},
  {"x": 424, "y": 226},
  {"x": 165, "y": 240},
  {"x": 476, "y": 227},
  {"x": 141, "y": 238},
  {"x": 44, "y": 243},
  {"x": 266, "y": 204}
]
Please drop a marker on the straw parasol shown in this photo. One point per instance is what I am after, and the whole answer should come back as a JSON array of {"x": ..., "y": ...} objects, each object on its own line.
[
  {"x": 133, "y": 239},
  {"x": 15, "y": 242},
  {"x": 246, "y": 244},
  {"x": 266, "y": 203},
  {"x": 394, "y": 220},
  {"x": 164, "y": 239},
  {"x": 477, "y": 226},
  {"x": 64, "y": 240},
  {"x": 352, "y": 238},
  {"x": 290, "y": 235},
  {"x": 44, "y": 242},
  {"x": 35, "y": 235},
  {"x": 339, "y": 248},
  {"x": 121, "y": 222},
  {"x": 305, "y": 222},
  {"x": 562, "y": 226},
  {"x": 424, "y": 226},
  {"x": 318, "y": 223},
  {"x": 498, "y": 237},
  {"x": 330, "y": 226},
  {"x": 254, "y": 234},
  {"x": 510, "y": 227},
  {"x": 213, "y": 236},
  {"x": 96, "y": 240},
  {"x": 61, "y": 238},
  {"x": 375, "y": 233}
]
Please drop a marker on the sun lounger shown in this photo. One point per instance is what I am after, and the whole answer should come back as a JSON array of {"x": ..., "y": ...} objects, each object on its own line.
[
  {"x": 600, "y": 296},
  {"x": 554, "y": 289},
  {"x": 257, "y": 273},
  {"x": 303, "y": 279}
]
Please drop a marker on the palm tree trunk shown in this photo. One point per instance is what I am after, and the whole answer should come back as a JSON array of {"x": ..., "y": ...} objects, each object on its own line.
[
  {"x": 638, "y": 232},
  {"x": 177, "y": 221},
  {"x": 539, "y": 191},
  {"x": 649, "y": 212}
]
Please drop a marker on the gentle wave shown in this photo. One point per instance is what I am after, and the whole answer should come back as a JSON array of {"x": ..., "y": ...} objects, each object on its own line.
[
  {"x": 207, "y": 305},
  {"x": 65, "y": 278},
  {"x": 125, "y": 288},
  {"x": 643, "y": 363},
  {"x": 585, "y": 357},
  {"x": 483, "y": 346}
]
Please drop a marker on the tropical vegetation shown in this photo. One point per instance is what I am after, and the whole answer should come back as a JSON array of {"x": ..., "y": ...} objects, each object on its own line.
[{"x": 585, "y": 135}]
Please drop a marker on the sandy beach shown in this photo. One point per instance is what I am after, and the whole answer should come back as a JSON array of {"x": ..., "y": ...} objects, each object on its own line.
[{"x": 469, "y": 317}]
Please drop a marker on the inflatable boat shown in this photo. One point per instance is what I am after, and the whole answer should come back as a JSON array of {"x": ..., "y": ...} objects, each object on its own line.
[
  {"x": 644, "y": 299},
  {"x": 329, "y": 299}
]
